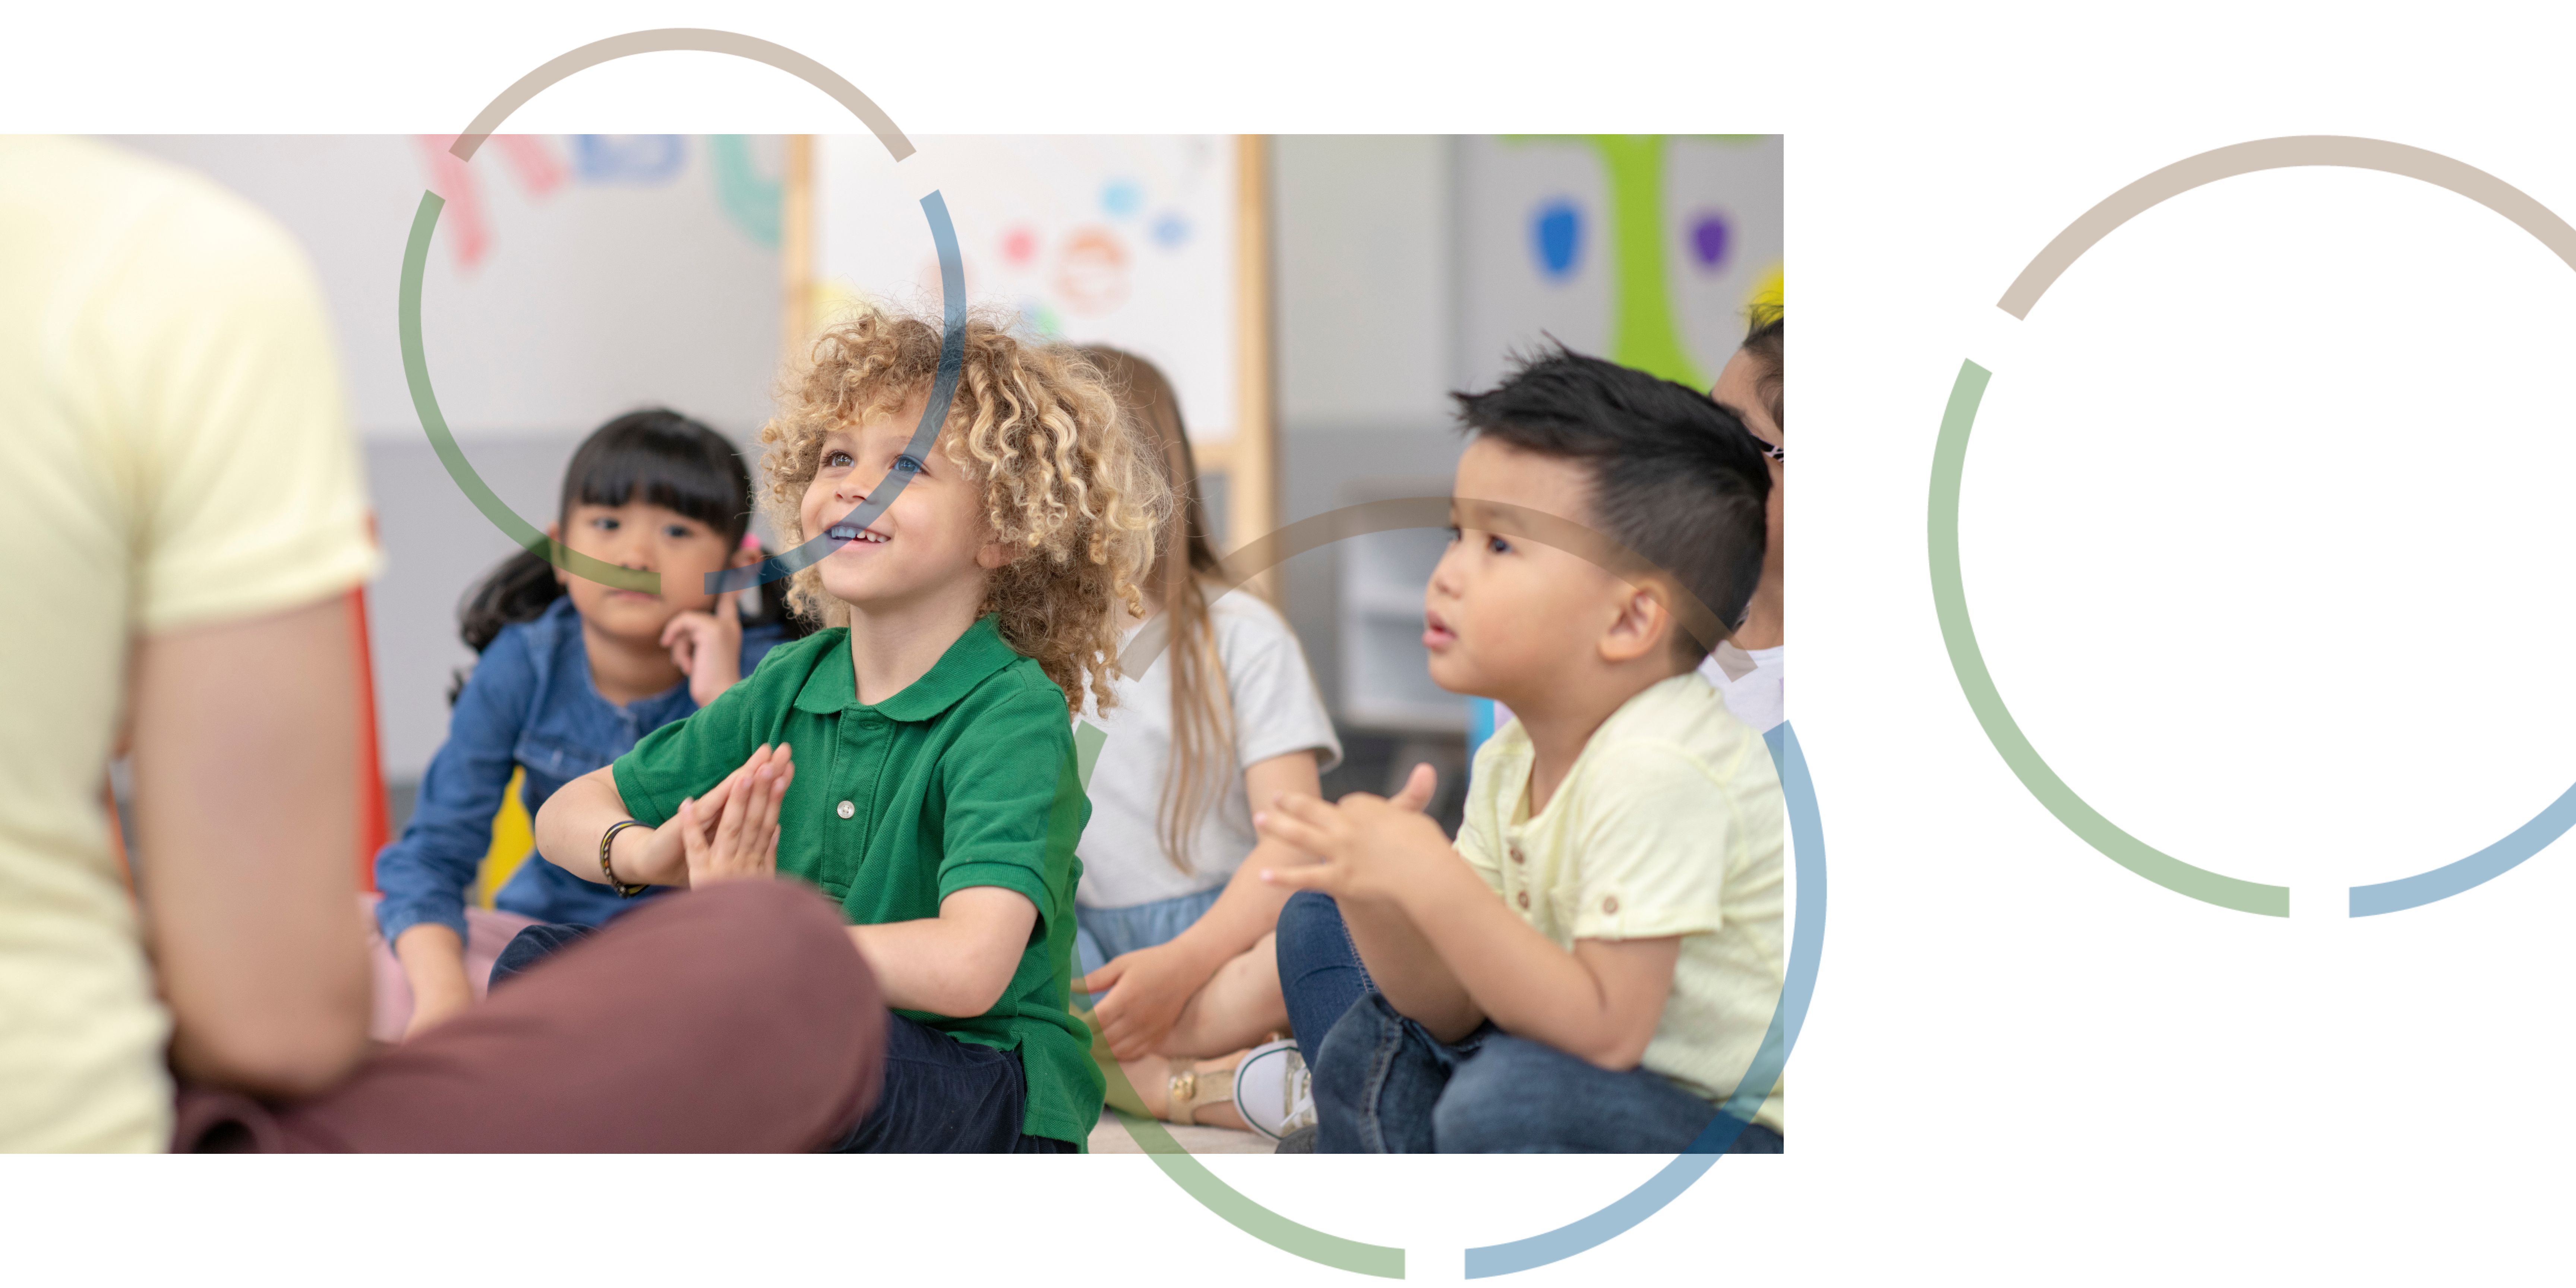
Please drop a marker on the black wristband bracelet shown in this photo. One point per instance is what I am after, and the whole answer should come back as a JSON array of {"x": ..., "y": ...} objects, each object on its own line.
[{"x": 606, "y": 839}]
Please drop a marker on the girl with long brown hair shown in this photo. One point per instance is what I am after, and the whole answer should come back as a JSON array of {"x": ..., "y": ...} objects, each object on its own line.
[{"x": 1176, "y": 930}]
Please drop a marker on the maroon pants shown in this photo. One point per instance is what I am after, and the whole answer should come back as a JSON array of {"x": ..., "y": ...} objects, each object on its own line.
[{"x": 736, "y": 1018}]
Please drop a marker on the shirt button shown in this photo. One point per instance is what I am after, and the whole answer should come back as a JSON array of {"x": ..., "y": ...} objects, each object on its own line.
[
  {"x": 845, "y": 809},
  {"x": 1525, "y": 898},
  {"x": 1610, "y": 904},
  {"x": 1517, "y": 856}
]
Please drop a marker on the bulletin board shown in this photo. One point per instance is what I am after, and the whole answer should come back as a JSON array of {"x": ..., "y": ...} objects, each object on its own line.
[{"x": 1156, "y": 244}]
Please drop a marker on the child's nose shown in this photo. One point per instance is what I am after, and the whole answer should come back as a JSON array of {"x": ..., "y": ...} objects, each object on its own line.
[
  {"x": 634, "y": 548},
  {"x": 1444, "y": 574}
]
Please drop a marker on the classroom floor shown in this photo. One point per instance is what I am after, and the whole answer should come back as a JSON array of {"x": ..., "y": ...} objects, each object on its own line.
[{"x": 1111, "y": 1137}]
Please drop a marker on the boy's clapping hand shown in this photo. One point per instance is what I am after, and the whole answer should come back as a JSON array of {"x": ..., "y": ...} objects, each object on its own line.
[
  {"x": 1369, "y": 848},
  {"x": 732, "y": 835}
]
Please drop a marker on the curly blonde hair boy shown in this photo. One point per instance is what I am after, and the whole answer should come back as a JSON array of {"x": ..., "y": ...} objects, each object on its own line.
[{"x": 1065, "y": 480}]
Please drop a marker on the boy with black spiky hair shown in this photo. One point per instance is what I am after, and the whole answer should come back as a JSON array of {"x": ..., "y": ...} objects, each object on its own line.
[{"x": 1594, "y": 962}]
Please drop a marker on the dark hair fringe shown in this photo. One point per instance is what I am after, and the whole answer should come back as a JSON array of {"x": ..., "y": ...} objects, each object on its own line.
[
  {"x": 1676, "y": 477},
  {"x": 659, "y": 457}
]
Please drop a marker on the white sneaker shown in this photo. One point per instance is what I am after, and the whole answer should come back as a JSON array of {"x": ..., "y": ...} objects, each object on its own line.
[{"x": 1273, "y": 1090}]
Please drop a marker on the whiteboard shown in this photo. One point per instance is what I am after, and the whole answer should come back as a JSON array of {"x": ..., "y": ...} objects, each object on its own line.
[{"x": 1125, "y": 240}]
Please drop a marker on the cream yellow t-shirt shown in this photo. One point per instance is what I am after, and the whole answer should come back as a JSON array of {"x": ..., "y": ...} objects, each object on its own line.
[
  {"x": 174, "y": 452},
  {"x": 1670, "y": 823}
]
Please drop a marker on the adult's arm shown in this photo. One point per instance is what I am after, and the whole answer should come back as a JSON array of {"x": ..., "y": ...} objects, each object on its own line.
[{"x": 247, "y": 823}]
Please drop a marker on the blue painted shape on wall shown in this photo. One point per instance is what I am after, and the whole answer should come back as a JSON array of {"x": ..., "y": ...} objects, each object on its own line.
[
  {"x": 1556, "y": 233},
  {"x": 628, "y": 158}
]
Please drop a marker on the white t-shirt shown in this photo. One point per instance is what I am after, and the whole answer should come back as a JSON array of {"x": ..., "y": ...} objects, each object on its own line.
[
  {"x": 1749, "y": 681},
  {"x": 1276, "y": 711}
]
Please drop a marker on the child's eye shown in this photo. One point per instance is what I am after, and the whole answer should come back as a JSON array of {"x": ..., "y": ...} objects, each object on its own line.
[
  {"x": 838, "y": 459},
  {"x": 1453, "y": 534},
  {"x": 908, "y": 464},
  {"x": 1498, "y": 545},
  {"x": 605, "y": 523},
  {"x": 677, "y": 532}
]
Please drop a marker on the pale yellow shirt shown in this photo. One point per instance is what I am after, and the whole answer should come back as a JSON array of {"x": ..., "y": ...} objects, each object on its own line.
[
  {"x": 174, "y": 452},
  {"x": 1670, "y": 823}
]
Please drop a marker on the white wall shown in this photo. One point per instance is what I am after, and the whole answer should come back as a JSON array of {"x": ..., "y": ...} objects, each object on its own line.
[
  {"x": 592, "y": 296},
  {"x": 1365, "y": 288},
  {"x": 1363, "y": 281}
]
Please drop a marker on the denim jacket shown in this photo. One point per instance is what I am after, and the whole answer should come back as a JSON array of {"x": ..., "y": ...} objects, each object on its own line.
[{"x": 529, "y": 703}]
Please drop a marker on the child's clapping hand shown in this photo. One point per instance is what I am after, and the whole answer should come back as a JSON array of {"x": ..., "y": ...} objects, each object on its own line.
[
  {"x": 733, "y": 836},
  {"x": 1371, "y": 848}
]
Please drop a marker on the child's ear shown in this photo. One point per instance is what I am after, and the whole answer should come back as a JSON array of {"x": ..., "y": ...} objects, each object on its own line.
[
  {"x": 1642, "y": 627},
  {"x": 996, "y": 554},
  {"x": 554, "y": 533}
]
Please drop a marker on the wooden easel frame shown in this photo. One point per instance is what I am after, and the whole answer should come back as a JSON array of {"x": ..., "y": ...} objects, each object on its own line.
[{"x": 1249, "y": 461}]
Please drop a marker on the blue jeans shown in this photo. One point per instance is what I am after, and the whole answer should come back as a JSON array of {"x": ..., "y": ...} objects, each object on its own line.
[
  {"x": 1384, "y": 1085},
  {"x": 534, "y": 944},
  {"x": 1320, "y": 974}
]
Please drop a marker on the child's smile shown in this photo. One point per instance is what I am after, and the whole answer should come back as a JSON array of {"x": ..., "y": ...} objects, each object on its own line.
[{"x": 937, "y": 516}]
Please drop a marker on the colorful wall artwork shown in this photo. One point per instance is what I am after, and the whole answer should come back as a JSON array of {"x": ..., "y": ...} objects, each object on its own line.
[
  {"x": 571, "y": 277},
  {"x": 748, "y": 195},
  {"x": 1124, "y": 240},
  {"x": 1647, "y": 249}
]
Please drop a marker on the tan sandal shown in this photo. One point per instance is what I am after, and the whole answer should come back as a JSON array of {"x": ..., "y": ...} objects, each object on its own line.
[{"x": 1192, "y": 1089}]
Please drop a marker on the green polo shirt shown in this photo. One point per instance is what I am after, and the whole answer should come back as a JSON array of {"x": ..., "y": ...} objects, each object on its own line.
[{"x": 965, "y": 778}]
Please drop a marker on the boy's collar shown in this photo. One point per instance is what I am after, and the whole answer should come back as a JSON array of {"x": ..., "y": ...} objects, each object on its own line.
[{"x": 977, "y": 654}]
